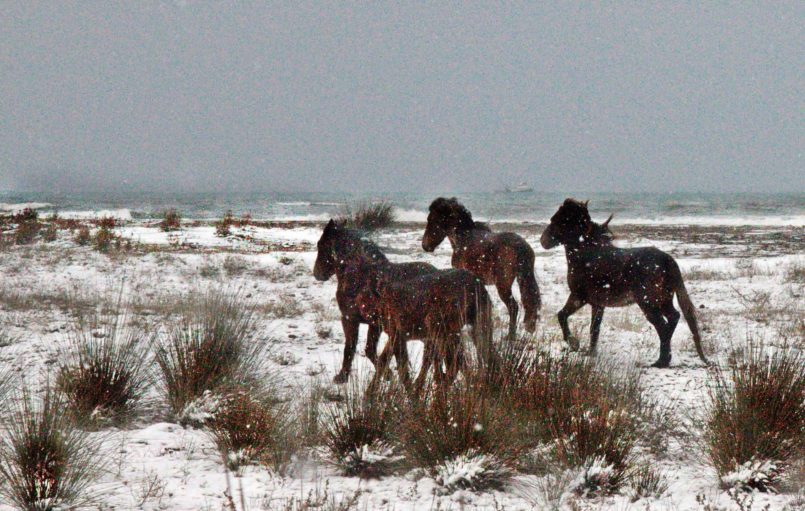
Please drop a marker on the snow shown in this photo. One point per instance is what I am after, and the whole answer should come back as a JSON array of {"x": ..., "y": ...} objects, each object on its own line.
[{"x": 186, "y": 461}]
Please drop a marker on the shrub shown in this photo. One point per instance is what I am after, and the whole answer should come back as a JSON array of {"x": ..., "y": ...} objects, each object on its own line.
[
  {"x": 103, "y": 240},
  {"x": 462, "y": 437},
  {"x": 370, "y": 216},
  {"x": 107, "y": 222},
  {"x": 45, "y": 462},
  {"x": 646, "y": 482},
  {"x": 51, "y": 233},
  {"x": 26, "y": 215},
  {"x": 171, "y": 220},
  {"x": 104, "y": 376},
  {"x": 252, "y": 425},
  {"x": 755, "y": 422},
  {"x": 26, "y": 232},
  {"x": 211, "y": 346},
  {"x": 359, "y": 431},
  {"x": 223, "y": 228},
  {"x": 83, "y": 236},
  {"x": 573, "y": 409}
]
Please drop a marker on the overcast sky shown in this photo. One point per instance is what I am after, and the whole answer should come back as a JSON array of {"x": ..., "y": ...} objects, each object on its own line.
[{"x": 675, "y": 96}]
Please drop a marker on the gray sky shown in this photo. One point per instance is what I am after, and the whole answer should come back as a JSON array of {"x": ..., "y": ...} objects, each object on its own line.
[{"x": 320, "y": 97}]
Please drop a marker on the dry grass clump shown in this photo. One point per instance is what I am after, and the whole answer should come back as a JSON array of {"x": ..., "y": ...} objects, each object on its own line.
[
  {"x": 46, "y": 463},
  {"x": 83, "y": 236},
  {"x": 103, "y": 240},
  {"x": 104, "y": 375},
  {"x": 795, "y": 272},
  {"x": 28, "y": 226},
  {"x": 370, "y": 216},
  {"x": 171, "y": 220},
  {"x": 251, "y": 425},
  {"x": 462, "y": 436},
  {"x": 359, "y": 432},
  {"x": 574, "y": 411},
  {"x": 755, "y": 420},
  {"x": 212, "y": 346},
  {"x": 224, "y": 227}
]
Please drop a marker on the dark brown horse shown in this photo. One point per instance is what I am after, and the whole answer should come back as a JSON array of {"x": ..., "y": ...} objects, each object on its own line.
[
  {"x": 495, "y": 257},
  {"x": 336, "y": 247},
  {"x": 603, "y": 275},
  {"x": 432, "y": 307}
]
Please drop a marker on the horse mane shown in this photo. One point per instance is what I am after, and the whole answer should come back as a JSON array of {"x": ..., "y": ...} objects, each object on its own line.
[
  {"x": 366, "y": 245},
  {"x": 452, "y": 208},
  {"x": 600, "y": 234}
]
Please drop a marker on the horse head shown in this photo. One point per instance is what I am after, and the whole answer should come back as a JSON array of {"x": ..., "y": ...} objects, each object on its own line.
[
  {"x": 570, "y": 224},
  {"x": 445, "y": 216}
]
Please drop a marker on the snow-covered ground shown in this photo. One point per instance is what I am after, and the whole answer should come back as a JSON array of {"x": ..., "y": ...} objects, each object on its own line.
[{"x": 740, "y": 293}]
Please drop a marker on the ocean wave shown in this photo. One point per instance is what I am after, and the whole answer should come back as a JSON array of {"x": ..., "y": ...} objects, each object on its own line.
[
  {"x": 411, "y": 215},
  {"x": 17, "y": 207},
  {"x": 119, "y": 214}
]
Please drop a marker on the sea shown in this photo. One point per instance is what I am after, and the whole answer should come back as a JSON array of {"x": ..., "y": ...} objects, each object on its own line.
[{"x": 784, "y": 209}]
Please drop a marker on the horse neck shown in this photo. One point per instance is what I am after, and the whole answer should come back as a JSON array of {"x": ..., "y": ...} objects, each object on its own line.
[
  {"x": 578, "y": 250},
  {"x": 373, "y": 264},
  {"x": 460, "y": 237}
]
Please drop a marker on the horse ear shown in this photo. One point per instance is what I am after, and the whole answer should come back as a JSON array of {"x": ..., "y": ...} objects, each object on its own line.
[
  {"x": 586, "y": 202},
  {"x": 330, "y": 225},
  {"x": 606, "y": 222}
]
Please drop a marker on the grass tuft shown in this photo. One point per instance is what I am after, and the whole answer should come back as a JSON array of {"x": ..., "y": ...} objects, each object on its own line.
[
  {"x": 211, "y": 347},
  {"x": 252, "y": 426},
  {"x": 370, "y": 216},
  {"x": 171, "y": 220},
  {"x": 574, "y": 411},
  {"x": 46, "y": 463},
  {"x": 755, "y": 419},
  {"x": 359, "y": 431},
  {"x": 463, "y": 437},
  {"x": 104, "y": 376}
]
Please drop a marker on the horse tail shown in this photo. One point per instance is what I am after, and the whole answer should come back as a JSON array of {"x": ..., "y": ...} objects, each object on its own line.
[
  {"x": 482, "y": 325},
  {"x": 529, "y": 289},
  {"x": 688, "y": 310}
]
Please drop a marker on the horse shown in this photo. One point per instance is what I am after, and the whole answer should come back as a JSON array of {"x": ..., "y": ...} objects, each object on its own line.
[
  {"x": 603, "y": 275},
  {"x": 432, "y": 307},
  {"x": 337, "y": 246},
  {"x": 495, "y": 257}
]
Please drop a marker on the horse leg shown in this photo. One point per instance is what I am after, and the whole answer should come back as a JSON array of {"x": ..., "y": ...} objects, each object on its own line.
[
  {"x": 672, "y": 316},
  {"x": 573, "y": 304},
  {"x": 372, "y": 338},
  {"x": 428, "y": 356},
  {"x": 453, "y": 356},
  {"x": 401, "y": 355},
  {"x": 595, "y": 328},
  {"x": 351, "y": 327},
  {"x": 505, "y": 293},
  {"x": 383, "y": 360},
  {"x": 656, "y": 318}
]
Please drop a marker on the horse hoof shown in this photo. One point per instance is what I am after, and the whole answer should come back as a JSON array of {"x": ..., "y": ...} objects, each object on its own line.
[
  {"x": 341, "y": 378},
  {"x": 662, "y": 363},
  {"x": 573, "y": 343},
  {"x": 530, "y": 326}
]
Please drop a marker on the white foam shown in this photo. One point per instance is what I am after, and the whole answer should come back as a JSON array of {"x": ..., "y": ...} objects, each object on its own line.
[
  {"x": 119, "y": 214},
  {"x": 411, "y": 215},
  {"x": 18, "y": 207}
]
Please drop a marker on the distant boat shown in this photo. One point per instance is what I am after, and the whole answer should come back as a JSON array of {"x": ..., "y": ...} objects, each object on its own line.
[{"x": 519, "y": 188}]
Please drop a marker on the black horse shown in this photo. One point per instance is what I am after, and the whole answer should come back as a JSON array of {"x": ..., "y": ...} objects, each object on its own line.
[
  {"x": 338, "y": 246},
  {"x": 603, "y": 275}
]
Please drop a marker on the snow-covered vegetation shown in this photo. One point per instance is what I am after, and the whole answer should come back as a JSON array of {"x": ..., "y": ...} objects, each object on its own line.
[{"x": 191, "y": 369}]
